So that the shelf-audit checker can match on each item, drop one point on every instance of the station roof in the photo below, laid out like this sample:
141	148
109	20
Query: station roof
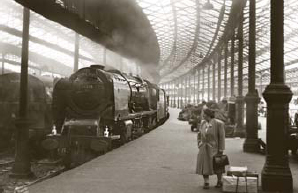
188	32
176	35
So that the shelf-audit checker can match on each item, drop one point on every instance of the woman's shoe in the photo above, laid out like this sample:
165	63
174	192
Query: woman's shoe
206	186
218	185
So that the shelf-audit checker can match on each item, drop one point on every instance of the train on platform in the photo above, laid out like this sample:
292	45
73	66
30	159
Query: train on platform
39	110
97	107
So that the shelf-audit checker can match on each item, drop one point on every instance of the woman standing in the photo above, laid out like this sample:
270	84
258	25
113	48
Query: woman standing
211	141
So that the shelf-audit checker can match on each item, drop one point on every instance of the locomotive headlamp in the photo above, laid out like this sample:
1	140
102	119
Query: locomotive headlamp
54	131
106	132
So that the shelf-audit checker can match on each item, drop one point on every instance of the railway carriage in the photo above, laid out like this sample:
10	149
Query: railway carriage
39	114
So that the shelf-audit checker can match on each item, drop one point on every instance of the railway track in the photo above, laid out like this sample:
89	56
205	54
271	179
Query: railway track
50	174
41	172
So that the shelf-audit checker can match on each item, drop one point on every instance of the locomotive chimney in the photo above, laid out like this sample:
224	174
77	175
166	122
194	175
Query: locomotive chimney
97	66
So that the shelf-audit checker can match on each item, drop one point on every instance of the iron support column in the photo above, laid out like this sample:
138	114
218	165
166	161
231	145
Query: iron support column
251	143
213	81
189	89
276	174
185	91
208	82
194	87
2	63
177	93
219	76
170	84
199	75
239	131
232	63
169	92
203	83
174	93
22	166
76	53
181	92
226	70
178	83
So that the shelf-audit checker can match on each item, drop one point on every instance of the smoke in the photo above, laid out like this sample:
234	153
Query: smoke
148	71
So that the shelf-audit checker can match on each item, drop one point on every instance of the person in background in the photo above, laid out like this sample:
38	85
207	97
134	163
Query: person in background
204	106
211	141
296	119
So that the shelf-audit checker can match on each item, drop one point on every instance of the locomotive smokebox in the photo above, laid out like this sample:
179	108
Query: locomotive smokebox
90	91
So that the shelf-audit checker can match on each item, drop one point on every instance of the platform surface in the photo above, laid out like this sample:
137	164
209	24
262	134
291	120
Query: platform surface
162	161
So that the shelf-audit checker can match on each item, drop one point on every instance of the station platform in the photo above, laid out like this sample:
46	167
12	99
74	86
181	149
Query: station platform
162	161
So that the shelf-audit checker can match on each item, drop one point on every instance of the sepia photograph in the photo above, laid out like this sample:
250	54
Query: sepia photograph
148	96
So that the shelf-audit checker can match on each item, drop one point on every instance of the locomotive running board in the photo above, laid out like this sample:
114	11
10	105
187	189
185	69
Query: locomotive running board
138	115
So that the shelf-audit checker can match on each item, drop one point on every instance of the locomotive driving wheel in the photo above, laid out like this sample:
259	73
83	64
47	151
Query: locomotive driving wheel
125	135
123	138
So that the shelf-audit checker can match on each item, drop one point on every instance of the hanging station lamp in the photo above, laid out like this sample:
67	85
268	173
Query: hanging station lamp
208	5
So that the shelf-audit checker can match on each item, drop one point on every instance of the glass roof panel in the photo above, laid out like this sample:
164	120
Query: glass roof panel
185	31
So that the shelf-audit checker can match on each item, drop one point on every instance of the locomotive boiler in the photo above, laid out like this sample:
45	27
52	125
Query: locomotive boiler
95	108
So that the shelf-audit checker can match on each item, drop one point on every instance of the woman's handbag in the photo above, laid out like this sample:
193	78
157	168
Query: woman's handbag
220	161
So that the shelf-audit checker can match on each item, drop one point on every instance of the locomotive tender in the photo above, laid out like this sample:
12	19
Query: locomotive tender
95	107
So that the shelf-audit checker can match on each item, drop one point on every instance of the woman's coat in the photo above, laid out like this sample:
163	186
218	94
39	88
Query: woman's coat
211	139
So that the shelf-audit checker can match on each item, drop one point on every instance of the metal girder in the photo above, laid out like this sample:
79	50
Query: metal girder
18	33
49	63
220	19
16	63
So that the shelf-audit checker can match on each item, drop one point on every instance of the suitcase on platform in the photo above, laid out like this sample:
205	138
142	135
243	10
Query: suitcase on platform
240	180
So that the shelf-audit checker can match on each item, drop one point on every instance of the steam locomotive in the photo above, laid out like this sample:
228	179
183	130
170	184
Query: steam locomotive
96	107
